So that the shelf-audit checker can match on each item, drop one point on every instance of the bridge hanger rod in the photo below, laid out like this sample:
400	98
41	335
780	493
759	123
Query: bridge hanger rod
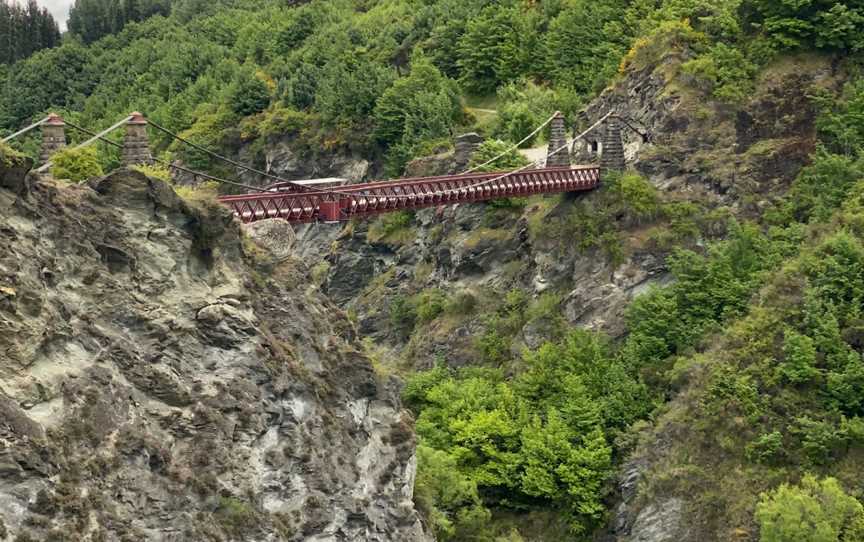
104	132
25	130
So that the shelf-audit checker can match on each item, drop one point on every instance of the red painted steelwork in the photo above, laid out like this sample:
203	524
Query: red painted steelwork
359	200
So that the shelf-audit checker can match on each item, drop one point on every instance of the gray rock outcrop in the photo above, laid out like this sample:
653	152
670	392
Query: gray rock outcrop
159	383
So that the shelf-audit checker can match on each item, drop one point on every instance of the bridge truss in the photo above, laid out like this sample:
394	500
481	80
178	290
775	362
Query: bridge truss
363	200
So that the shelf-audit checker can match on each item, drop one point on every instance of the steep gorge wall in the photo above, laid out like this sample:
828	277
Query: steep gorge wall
164	378
722	160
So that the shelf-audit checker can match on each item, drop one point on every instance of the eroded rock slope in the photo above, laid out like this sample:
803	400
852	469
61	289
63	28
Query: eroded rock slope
164	378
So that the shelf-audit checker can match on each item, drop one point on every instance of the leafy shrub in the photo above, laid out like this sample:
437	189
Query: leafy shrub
430	304
208	131
726	71
814	511
766	448
491	148
822	187
76	165
492	345
448	497
708	290
462	303
517	121
391	227
839	122
347	91
821	441
637	197
523	105
846	385
500	437
584	45
236	516
155	171
403	107
825	25
799	364
403	315
8	154
482	49
248	93
206	191
666	37
283	121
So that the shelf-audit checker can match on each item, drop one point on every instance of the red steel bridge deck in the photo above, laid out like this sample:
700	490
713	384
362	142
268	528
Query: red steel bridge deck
362	200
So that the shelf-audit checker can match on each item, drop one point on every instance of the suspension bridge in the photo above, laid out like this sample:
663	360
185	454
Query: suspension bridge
298	202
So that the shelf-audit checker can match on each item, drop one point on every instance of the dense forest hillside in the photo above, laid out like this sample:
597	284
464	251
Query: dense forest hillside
377	76
675	356
93	19
25	29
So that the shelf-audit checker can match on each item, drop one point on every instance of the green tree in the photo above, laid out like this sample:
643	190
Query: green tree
25	29
424	98
490	149
248	94
483	48
76	165
448	497
799	361
823	24
584	44
814	511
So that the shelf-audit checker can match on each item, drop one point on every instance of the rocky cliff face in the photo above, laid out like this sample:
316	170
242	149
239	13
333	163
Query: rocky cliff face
164	378
714	160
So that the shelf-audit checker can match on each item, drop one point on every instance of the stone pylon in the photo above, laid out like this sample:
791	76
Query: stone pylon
136	144
612	158
558	139
465	146
53	137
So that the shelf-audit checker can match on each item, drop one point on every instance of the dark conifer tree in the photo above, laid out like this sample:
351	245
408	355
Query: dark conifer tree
93	19
25	29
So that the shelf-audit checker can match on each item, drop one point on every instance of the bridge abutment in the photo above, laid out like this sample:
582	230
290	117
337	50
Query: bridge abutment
136	143
53	137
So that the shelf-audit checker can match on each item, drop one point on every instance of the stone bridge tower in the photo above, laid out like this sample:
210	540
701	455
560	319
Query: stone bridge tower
136	144
612	156
558	139
53	137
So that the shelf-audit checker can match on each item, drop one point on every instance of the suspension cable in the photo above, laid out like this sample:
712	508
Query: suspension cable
227	160
24	130
100	136
165	162
93	134
507	174
515	146
504	175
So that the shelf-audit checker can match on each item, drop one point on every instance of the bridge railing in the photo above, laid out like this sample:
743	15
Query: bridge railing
381	197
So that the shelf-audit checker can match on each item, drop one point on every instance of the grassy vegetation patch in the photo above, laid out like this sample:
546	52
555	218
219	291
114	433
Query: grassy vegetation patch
393	229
